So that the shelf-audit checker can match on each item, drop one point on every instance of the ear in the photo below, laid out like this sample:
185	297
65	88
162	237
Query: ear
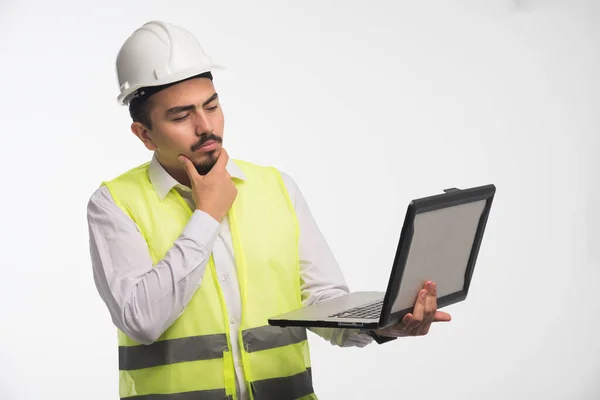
143	134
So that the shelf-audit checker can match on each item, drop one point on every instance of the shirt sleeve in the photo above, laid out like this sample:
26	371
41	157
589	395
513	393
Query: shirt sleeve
145	299
322	278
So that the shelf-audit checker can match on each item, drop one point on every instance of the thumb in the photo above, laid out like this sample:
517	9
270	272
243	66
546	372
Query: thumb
441	316
189	167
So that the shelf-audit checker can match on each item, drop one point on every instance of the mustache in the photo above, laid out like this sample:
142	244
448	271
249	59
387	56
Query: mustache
206	137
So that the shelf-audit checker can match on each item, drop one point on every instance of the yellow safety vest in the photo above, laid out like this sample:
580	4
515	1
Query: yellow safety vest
192	358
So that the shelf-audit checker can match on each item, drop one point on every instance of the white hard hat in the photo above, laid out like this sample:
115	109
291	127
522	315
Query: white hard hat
158	53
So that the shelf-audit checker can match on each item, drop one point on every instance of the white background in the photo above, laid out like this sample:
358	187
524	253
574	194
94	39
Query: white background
367	105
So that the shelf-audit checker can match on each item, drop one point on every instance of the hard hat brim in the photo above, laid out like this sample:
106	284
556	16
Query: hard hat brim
125	96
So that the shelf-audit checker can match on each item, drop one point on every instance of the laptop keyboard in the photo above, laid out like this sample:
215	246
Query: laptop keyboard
370	311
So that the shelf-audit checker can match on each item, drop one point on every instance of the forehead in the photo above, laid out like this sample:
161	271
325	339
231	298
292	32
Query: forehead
191	92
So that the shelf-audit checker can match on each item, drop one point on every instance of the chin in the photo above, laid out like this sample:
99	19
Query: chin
210	155
205	165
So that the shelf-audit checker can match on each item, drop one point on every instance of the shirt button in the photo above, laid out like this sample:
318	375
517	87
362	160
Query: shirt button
232	320
224	277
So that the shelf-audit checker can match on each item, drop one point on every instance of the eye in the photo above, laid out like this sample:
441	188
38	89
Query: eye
181	118
213	108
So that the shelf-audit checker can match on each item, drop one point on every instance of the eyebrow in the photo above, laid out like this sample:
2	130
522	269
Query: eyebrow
191	107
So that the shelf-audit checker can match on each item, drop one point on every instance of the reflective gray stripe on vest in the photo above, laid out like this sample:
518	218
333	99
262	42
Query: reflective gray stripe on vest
270	337
218	394
172	351
290	387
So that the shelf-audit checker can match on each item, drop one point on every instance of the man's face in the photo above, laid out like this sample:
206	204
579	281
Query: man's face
186	120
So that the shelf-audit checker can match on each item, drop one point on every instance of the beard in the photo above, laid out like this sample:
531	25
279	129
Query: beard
204	167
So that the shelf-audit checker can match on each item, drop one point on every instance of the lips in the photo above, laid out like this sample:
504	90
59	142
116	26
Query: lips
208	146
210	142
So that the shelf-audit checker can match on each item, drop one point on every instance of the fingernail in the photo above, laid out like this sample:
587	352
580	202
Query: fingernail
423	295
180	159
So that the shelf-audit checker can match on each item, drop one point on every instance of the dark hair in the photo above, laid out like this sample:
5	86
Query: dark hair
139	110
141	105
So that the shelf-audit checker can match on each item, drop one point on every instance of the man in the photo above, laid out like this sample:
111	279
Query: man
193	251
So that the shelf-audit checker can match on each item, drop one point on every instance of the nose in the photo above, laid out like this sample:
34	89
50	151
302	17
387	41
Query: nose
203	124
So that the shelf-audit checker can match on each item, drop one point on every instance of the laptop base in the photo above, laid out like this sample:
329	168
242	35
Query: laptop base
321	315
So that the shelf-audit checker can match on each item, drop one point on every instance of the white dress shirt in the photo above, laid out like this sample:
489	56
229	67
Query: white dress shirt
145	299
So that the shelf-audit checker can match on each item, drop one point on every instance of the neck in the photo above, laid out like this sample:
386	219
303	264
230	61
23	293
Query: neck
178	173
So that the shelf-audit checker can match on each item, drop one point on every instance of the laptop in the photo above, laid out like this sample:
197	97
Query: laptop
439	241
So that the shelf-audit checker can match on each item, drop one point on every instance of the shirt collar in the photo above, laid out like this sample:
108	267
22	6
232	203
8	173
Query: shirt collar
163	182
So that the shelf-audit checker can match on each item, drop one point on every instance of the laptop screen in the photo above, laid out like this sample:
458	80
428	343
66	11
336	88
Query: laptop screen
440	250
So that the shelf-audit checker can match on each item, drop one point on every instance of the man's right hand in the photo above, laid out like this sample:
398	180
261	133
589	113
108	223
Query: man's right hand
215	192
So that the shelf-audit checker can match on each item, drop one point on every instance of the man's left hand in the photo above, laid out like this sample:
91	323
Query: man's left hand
419	321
